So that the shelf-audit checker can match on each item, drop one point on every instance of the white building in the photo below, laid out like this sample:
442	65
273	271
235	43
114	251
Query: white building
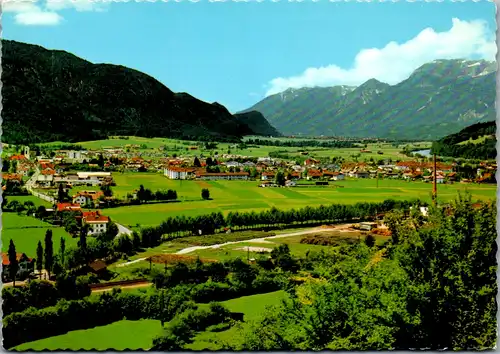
178	172
97	223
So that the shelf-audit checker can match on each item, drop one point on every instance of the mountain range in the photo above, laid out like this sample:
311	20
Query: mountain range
437	99
52	95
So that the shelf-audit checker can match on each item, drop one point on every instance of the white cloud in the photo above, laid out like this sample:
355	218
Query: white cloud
36	13
78	5
38	18
395	62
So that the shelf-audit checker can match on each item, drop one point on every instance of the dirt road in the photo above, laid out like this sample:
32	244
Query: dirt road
341	228
264	239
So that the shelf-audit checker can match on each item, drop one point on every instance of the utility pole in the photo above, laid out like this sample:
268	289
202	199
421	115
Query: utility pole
434	182
377	178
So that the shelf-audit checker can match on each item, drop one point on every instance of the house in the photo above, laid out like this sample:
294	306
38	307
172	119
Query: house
452	176
294	176
328	174
314	174
311	162
13	177
338	176
233	164
219	176
361	174
98	267
69	207
26	265
178	172
87	197
97	223
290	183
266	176
18	158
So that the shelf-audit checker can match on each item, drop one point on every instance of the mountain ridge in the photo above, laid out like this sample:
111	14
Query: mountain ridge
51	95
415	108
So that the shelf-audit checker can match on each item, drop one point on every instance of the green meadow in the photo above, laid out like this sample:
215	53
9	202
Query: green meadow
139	335
247	196
29	198
121	335
26	231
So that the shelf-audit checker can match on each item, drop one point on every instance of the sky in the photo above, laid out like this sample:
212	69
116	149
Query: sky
237	53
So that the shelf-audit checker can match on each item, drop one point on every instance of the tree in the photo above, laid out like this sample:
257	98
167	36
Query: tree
100	161
41	211
13	265
280	178
62	195
82	242
106	190
451	265
370	240
205	193
39	258
141	193
49	252
136	240
62	248
197	162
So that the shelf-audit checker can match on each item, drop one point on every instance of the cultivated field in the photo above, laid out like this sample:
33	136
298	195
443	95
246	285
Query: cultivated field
138	335
247	196
26	231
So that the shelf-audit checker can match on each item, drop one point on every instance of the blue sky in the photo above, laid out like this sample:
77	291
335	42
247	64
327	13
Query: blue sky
236	53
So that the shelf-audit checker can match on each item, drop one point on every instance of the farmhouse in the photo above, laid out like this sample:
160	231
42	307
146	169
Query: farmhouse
219	176
178	172
25	265
97	223
87	197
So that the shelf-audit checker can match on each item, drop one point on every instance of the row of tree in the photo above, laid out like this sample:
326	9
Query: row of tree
146	195
179	226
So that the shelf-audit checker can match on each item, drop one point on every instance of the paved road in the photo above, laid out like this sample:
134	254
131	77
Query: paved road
122	230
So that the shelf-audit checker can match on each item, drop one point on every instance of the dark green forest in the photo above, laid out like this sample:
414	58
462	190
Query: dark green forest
448	146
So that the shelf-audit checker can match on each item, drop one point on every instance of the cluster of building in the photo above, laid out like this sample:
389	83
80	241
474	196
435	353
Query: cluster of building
96	222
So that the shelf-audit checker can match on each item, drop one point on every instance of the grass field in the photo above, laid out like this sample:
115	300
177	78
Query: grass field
247	196
26	231
30	198
137	335
121	335
252	306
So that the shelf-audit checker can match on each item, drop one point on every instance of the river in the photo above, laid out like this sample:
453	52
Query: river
425	153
